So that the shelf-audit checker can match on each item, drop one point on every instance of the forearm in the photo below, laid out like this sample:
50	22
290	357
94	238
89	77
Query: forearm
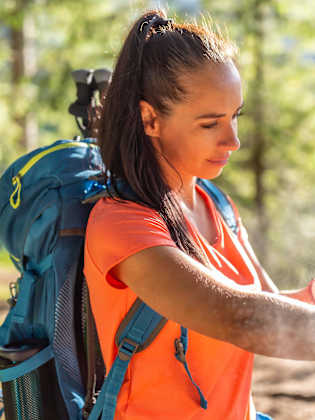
264	323
275	326
204	300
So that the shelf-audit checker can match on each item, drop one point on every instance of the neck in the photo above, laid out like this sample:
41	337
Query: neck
183	186
185	190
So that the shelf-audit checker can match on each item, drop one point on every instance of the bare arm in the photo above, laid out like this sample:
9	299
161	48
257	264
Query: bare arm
204	300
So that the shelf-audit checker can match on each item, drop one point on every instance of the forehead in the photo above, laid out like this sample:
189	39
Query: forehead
216	85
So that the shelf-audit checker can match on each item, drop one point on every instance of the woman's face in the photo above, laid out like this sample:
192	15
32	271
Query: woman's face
200	133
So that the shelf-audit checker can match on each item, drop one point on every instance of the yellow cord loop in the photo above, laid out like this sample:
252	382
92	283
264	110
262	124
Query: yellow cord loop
15	258
15	199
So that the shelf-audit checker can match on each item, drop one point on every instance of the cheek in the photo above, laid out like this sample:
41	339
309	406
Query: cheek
172	142
184	145
173	151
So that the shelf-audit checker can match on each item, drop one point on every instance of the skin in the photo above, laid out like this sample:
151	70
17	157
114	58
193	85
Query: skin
170	281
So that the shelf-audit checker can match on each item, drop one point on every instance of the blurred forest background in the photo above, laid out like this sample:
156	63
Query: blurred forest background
271	178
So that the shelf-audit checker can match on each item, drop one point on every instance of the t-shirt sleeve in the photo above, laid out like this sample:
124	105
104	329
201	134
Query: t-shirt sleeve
118	230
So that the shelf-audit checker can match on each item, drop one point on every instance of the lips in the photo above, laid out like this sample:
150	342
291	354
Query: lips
219	161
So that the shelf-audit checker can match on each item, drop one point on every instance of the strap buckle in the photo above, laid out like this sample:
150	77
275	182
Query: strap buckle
180	352
13	293
127	348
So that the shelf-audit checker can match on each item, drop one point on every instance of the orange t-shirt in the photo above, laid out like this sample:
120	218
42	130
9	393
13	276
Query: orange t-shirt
156	385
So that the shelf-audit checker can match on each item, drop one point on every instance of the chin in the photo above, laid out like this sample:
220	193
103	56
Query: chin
210	174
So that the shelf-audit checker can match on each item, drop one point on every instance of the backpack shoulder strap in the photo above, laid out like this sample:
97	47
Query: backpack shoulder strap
222	203
139	328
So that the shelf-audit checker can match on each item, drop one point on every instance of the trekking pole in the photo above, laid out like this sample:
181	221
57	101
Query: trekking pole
88	82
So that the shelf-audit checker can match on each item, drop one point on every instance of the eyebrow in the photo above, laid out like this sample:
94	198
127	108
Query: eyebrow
214	115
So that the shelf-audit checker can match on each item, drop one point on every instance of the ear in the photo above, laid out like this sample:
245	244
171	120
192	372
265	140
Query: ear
150	119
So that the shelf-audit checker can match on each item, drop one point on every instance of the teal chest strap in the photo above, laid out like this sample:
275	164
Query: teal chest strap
181	346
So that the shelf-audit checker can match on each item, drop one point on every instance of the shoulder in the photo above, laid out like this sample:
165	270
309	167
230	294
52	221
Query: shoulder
108	211
125	222
117	230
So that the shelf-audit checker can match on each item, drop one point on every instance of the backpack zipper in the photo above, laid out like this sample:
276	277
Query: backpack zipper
15	198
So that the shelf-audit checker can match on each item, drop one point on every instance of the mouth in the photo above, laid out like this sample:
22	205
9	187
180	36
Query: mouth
218	162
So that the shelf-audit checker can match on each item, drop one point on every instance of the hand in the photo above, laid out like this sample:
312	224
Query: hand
307	294
311	288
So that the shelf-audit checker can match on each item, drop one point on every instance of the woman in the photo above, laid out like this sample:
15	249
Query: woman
170	116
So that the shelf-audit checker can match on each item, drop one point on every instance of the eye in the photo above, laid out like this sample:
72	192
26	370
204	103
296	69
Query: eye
207	126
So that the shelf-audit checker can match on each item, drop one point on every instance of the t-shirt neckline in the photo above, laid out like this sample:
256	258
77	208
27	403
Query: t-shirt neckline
212	213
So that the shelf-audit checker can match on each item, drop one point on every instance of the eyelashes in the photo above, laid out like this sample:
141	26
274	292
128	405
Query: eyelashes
209	125
214	124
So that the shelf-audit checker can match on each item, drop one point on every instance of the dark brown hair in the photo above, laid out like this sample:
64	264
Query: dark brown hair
155	54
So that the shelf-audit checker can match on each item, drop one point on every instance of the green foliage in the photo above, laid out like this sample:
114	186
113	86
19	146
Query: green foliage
5	259
66	37
7	270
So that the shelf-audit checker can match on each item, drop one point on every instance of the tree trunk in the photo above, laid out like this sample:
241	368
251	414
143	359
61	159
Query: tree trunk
259	137
23	69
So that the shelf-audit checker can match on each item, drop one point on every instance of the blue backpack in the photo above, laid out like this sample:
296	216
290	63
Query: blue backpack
51	366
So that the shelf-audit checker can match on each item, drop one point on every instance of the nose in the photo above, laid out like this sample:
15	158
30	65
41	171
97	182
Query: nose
230	140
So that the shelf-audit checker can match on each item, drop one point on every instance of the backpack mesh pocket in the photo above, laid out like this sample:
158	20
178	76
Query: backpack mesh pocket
34	396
